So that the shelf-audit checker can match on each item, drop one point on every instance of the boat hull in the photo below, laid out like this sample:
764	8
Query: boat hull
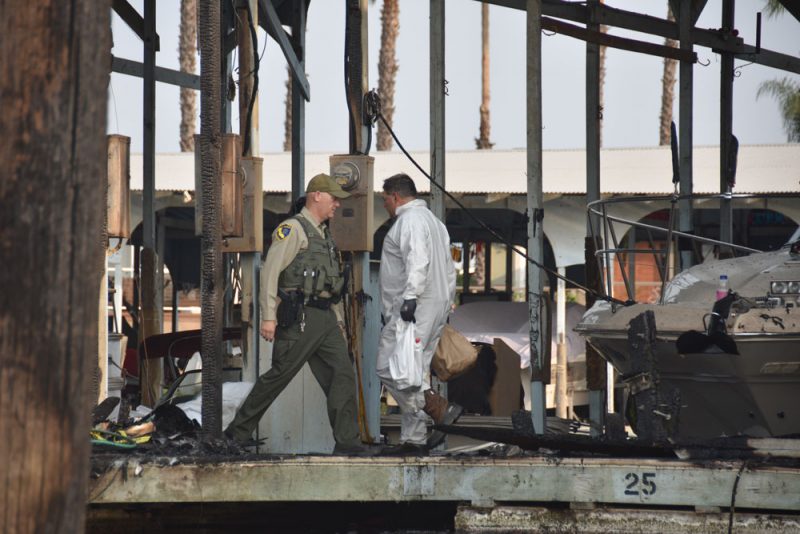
755	392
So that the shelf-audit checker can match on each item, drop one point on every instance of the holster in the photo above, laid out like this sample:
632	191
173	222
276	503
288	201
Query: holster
290	308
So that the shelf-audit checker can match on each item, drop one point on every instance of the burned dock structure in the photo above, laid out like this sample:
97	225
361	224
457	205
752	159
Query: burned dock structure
714	481
527	479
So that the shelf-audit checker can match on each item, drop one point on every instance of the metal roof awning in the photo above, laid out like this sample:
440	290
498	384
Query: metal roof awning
625	171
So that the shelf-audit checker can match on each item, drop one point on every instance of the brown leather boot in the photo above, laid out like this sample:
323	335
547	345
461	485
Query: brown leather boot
442	413
435	406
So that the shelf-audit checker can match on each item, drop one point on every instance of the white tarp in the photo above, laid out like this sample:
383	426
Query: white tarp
482	322
233	395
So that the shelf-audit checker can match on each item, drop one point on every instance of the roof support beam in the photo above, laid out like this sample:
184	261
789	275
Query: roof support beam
726	129
685	139
273	26
152	296
792	7
540	362
437	105
613	41
133	19
609	16
695	8
299	105
170	76
596	370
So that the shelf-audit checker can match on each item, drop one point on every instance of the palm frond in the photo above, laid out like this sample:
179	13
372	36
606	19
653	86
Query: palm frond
774	9
787	93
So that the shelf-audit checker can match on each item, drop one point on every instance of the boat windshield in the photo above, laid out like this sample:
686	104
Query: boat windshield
795	236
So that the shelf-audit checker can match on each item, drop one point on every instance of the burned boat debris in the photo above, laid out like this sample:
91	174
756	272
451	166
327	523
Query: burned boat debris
722	367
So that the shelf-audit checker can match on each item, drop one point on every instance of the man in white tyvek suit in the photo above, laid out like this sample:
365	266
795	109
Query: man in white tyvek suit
418	282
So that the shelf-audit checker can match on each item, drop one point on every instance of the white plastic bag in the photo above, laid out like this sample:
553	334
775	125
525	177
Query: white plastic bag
405	361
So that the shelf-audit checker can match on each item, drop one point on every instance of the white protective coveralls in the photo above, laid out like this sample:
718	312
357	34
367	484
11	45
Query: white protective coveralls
415	264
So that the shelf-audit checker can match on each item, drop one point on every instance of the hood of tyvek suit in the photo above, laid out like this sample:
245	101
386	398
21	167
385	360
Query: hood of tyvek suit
416	261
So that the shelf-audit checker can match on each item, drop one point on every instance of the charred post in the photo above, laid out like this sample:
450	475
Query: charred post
211	270
655	407
55	71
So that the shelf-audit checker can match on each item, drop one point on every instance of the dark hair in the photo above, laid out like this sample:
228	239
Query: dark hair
402	184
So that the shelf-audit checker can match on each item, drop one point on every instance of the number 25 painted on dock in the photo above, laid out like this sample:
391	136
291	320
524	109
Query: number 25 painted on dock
647	485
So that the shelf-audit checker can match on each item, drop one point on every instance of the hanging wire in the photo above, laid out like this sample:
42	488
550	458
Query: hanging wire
254	93
114	100
376	109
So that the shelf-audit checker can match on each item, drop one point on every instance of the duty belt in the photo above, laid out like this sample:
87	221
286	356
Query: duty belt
319	303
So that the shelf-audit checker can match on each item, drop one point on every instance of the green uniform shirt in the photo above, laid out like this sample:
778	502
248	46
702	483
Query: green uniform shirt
288	239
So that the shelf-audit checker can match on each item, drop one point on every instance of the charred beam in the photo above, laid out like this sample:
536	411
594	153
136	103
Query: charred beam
133	19
273	26
792	7
564	443
637	22
170	76
52	210
212	286
613	41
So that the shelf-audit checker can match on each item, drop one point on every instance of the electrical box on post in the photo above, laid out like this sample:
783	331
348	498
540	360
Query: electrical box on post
252	239
231	216
119	186
352	226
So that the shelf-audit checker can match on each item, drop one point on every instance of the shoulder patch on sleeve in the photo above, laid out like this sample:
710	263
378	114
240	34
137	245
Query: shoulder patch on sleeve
283	231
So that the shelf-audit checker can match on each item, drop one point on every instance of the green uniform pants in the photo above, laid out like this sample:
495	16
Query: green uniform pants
323	347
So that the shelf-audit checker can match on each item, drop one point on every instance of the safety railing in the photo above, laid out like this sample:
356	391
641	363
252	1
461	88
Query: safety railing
601	226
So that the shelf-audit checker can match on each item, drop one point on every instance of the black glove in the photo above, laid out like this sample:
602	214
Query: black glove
407	310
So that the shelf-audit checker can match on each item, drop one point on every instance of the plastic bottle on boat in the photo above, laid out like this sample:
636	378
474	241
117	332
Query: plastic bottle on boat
722	288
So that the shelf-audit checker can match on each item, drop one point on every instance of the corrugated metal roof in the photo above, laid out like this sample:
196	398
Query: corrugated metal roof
761	169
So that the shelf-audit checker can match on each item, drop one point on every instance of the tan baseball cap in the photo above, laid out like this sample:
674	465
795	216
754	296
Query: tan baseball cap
324	183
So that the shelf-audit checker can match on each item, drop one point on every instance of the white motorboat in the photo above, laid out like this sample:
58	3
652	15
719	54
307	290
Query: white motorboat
731	365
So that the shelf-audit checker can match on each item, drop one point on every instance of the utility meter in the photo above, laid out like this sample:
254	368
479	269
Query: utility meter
346	174
352	226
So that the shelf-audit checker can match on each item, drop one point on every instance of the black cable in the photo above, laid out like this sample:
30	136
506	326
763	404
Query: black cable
732	510
257	61
347	79
486	227
372	108
260	57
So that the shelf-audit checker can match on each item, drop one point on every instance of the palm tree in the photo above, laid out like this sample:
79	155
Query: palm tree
387	68
667	90
787	92
483	142
287	119
187	54
773	8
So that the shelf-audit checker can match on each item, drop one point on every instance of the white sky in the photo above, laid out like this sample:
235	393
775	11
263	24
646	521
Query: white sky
632	89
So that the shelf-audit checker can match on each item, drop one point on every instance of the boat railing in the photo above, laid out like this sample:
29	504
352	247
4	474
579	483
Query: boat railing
601	226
